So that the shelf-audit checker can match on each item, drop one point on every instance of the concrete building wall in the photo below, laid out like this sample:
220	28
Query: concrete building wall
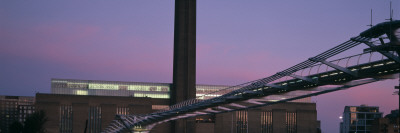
52	112
79	117
255	121
204	127
306	118
106	110
162	128
224	123
307	121
50	103
278	120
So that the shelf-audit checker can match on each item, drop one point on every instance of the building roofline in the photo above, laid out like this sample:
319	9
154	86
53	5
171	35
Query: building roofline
133	82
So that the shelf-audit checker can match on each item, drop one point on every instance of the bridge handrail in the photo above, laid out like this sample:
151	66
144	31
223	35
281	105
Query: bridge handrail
260	82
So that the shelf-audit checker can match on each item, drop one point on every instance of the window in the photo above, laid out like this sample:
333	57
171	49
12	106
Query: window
94	120
153	88
291	122
266	122
159	107
353	109
241	121
66	119
165	89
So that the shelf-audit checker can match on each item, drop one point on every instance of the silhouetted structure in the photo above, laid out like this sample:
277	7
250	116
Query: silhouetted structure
184	73
388	124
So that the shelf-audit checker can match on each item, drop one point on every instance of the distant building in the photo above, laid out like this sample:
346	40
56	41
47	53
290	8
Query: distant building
111	95
14	108
388	124
359	119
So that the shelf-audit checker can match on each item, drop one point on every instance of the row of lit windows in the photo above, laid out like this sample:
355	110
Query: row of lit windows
159	107
111	93
200	88
109	85
116	88
369	116
135	86
150	94
364	109
122	111
164	96
266	122
71	81
151	90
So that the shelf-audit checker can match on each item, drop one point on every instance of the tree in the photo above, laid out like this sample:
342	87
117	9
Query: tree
35	123
16	127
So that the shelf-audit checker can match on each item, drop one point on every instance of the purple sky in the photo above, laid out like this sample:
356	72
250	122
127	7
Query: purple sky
237	41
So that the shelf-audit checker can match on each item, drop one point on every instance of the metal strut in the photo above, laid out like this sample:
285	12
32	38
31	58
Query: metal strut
373	46
337	67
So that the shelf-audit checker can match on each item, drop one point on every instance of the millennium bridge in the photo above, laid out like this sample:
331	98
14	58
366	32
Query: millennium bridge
316	75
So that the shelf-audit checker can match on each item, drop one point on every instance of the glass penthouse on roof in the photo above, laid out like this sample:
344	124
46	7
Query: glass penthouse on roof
120	88
142	89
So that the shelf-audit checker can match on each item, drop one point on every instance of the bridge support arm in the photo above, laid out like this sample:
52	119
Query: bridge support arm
337	67
372	46
299	77
385	53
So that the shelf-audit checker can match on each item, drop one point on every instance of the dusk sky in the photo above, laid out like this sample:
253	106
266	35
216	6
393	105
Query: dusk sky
132	40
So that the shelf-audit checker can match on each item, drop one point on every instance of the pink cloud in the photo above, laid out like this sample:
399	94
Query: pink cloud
231	64
87	47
